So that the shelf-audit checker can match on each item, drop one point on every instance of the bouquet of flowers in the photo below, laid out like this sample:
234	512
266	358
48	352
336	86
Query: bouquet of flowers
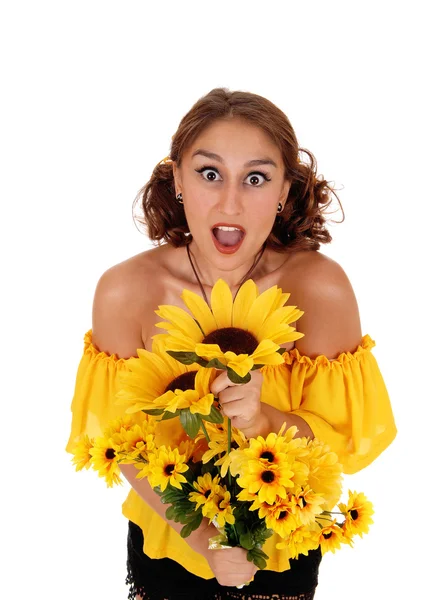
251	488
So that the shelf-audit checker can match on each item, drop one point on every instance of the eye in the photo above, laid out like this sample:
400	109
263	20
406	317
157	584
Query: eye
254	177
257	178
207	173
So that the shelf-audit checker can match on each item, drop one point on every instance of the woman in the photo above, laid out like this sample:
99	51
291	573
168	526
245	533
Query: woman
237	199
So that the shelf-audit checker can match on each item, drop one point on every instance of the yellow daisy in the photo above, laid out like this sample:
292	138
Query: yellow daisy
82	456
158	383
206	489
104	460
325	472
236	335
299	541
224	510
278	516
135	442
331	537
266	480
358	512
306	505
167	466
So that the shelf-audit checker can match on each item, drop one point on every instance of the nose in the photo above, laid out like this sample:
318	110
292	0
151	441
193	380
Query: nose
229	202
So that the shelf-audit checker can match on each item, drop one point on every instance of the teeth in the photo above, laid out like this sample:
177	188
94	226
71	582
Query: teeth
228	228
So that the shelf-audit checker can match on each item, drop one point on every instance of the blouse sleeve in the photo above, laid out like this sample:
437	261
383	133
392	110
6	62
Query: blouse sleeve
345	403
93	403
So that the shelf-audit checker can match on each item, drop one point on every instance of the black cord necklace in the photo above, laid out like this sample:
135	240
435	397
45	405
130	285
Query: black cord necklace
246	276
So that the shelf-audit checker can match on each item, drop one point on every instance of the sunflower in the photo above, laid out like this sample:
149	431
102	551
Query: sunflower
331	537
82	456
299	541
358	512
224	510
158	383
235	335
266	480
279	516
166	466
135	442
104	460
306	505
206	489
324	470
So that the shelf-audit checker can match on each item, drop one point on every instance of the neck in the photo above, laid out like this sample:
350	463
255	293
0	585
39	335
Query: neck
208	274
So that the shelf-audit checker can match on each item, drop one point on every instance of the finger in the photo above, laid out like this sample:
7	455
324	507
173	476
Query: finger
230	394
221	383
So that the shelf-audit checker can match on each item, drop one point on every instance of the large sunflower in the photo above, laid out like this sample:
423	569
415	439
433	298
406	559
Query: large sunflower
236	335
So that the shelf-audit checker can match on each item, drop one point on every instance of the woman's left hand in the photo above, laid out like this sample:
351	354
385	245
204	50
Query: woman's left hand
241	402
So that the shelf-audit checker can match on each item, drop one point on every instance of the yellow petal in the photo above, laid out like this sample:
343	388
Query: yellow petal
260	310
222	304
203	406
241	364
200	310
203	381
247	294
209	351
181	320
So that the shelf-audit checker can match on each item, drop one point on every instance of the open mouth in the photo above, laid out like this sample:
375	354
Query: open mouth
228	238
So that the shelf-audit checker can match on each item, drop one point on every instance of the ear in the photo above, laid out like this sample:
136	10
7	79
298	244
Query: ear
176	178
284	192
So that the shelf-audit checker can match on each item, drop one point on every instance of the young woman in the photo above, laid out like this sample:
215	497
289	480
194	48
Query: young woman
236	199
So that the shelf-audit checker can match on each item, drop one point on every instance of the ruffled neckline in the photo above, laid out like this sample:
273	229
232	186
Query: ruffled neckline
290	357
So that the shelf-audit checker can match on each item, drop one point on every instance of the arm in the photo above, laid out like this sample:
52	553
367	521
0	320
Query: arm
330	325
117	329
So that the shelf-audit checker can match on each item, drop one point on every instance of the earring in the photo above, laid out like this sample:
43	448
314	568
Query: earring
180	198
280	207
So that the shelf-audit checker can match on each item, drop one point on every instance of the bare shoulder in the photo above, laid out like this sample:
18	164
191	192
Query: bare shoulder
321	288
122	295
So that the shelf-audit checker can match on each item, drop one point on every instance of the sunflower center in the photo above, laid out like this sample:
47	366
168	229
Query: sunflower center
233	339
268	476
268	455
354	514
326	536
185	381
282	515
169	469
110	454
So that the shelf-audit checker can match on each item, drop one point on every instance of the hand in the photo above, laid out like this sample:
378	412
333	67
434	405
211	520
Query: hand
229	565
241	402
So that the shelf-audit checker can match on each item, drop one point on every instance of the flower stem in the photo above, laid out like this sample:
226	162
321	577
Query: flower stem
229	444
206	435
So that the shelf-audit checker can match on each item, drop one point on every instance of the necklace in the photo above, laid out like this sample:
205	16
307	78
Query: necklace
246	276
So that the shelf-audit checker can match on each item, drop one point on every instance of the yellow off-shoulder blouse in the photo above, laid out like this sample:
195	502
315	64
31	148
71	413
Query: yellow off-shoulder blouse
344	401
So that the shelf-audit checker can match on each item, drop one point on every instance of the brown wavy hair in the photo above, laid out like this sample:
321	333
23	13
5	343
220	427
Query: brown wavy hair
300	226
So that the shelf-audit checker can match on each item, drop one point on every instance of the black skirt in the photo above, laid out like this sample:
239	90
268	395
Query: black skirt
165	579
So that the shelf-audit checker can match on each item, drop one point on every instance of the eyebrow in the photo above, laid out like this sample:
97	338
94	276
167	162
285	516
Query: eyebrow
250	163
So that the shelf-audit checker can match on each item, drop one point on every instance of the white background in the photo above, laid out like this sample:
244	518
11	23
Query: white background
92	93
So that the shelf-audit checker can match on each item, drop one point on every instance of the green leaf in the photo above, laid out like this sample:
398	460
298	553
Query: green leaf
170	513
258	561
235	378
255	367
216	364
170	415
153	411
194	524
246	541
214	416
186	358
281	351
191	423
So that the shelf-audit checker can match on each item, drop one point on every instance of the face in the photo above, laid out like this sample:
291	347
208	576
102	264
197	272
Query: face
232	180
